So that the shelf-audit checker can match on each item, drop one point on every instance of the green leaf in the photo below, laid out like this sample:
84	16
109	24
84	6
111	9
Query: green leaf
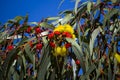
98	2
52	77
46	25
6	24
66	19
52	18
86	63
44	40
115	32
8	62
109	15
87	50
111	28
91	68
77	51
43	62
79	36
21	42
33	23
10	21
114	1
86	32
87	74
115	69
60	3
15	76
89	5
3	36
76	5
21	75
80	11
29	53
11	71
24	63
18	18
68	16
92	40
34	65
114	47
109	72
26	18
65	12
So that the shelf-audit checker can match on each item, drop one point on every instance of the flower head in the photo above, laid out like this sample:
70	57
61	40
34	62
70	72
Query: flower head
65	33
68	35
39	46
51	35
31	44
29	29
61	32
52	44
77	62
58	50
10	47
37	30
67	45
68	28
117	56
57	32
73	36
63	51
59	28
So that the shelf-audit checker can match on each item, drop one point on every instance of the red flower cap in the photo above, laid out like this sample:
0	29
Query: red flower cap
37	30
10	47
52	44
65	33
67	45
51	35
29	29
68	35
77	62
39	46
31	44
57	32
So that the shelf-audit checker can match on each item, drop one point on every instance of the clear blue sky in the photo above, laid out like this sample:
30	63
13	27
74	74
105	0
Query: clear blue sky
37	9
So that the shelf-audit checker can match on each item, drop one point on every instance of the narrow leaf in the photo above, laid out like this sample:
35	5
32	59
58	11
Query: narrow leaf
89	5
77	51
44	62
29	53
76	5
52	18
92	40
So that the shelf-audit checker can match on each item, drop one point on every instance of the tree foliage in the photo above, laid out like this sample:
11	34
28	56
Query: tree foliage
46	51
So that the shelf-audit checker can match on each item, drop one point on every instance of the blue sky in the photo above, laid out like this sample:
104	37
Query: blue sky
37	9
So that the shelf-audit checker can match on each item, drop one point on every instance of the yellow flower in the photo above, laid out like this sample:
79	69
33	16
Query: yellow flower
58	50
59	28
117	56
63	51
73	36
69	28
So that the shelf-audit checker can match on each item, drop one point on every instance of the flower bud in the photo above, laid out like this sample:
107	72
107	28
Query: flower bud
39	46
37	30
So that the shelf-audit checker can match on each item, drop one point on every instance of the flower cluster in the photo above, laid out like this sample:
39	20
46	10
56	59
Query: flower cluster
66	30
57	39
